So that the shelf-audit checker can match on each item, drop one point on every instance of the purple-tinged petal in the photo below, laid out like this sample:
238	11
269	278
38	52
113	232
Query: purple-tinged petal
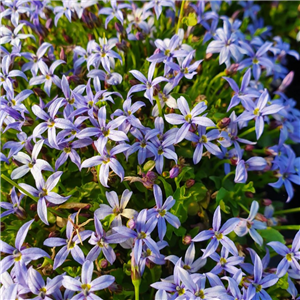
21	235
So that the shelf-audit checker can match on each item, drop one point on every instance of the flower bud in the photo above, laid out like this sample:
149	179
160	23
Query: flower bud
62	54
174	172
208	56
249	194
187	239
249	148
261	217
53	234
33	207
2	226
267	202
49	23
103	263
232	69
39	92
122	46
135	272
224	122
67	38
189	183
133	82
115	288
139	36
119	27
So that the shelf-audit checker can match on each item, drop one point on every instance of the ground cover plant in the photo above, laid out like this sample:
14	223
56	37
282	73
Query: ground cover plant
137	141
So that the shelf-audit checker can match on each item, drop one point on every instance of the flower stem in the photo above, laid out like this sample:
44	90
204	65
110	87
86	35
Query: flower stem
244	208
247	132
287	227
180	16
18	187
136	284
160	112
286	211
225	177
212	81
29	195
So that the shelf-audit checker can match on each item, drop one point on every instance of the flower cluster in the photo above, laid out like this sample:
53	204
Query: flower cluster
103	104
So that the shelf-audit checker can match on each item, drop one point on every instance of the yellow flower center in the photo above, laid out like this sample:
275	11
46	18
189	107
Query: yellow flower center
188	117
289	257
256	111
218	235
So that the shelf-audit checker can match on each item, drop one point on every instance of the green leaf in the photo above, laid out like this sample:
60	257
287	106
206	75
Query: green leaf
249	187
107	221
167	186
271	235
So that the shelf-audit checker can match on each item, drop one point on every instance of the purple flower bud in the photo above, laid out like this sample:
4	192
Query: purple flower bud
224	122
119	28
267	202
174	172
139	36
122	46
187	239
48	23
62	54
103	263
249	148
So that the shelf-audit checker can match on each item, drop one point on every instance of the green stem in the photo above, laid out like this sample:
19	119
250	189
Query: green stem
286	211
229	174
160	112
18	187
29	195
247	132
221	162
244	208
152	272
136	284
180	16
212	81
287	227
127	185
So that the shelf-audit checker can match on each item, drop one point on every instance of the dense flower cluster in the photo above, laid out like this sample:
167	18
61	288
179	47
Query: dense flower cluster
112	114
